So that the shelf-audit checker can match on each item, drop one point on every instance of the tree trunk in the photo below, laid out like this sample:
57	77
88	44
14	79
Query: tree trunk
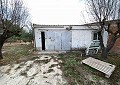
104	53
1	57
2	40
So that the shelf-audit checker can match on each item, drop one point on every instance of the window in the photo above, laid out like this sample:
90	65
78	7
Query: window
95	36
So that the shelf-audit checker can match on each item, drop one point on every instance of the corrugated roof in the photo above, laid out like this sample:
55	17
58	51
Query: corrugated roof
34	25
62	26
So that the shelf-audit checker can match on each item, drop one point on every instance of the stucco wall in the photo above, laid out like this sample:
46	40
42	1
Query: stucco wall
37	41
81	38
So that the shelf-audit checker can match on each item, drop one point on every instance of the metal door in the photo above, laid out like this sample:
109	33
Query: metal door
66	40
58	40
49	40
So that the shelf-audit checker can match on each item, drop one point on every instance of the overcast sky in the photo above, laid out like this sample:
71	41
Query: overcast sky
56	11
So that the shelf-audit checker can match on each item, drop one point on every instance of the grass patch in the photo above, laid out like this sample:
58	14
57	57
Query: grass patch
80	74
16	53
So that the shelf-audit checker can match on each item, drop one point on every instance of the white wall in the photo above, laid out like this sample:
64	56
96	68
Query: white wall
38	44
81	38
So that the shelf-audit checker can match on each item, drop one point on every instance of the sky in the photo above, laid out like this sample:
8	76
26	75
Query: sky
54	12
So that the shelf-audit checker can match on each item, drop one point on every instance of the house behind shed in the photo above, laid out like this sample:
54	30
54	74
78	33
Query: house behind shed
64	37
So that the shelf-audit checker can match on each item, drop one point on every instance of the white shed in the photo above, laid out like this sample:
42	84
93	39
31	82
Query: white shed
64	37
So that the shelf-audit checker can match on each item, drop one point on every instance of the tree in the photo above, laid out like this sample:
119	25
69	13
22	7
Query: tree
13	17
27	36
101	12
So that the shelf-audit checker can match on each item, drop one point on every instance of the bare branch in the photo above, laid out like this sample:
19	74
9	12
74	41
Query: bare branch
103	11
12	12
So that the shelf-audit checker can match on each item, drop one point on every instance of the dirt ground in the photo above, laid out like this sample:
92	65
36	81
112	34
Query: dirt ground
22	66
43	70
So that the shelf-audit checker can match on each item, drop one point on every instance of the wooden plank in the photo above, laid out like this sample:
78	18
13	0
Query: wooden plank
101	66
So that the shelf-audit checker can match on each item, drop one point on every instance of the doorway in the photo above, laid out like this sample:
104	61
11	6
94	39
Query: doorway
43	40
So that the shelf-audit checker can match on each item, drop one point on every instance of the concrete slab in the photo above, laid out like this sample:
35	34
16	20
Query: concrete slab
99	65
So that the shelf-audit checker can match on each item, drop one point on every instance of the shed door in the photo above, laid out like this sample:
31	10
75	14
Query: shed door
66	40
49	40
58	40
